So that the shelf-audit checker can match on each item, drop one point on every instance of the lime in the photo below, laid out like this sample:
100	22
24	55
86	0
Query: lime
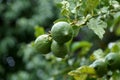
113	61
43	44
100	67
61	32
59	50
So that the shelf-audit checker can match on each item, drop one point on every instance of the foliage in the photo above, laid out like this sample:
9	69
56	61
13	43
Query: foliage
95	25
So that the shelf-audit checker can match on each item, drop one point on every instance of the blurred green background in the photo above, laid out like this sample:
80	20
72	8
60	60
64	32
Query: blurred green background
18	19
19	22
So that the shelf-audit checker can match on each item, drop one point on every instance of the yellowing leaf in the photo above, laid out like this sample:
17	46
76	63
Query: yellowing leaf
82	72
97	54
81	77
86	70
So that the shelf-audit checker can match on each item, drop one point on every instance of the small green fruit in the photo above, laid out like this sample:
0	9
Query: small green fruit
100	67
59	50
43	44
61	32
113	61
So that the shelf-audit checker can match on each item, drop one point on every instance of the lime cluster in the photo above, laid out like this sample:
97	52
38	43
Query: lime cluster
55	42
111	62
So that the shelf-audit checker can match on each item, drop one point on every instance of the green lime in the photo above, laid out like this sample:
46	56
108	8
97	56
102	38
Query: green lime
113	61
59	50
100	67
61	32
43	44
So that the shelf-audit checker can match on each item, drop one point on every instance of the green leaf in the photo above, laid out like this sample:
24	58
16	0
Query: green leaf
75	30
65	12
65	8
39	31
91	4
97	26
83	46
77	45
61	19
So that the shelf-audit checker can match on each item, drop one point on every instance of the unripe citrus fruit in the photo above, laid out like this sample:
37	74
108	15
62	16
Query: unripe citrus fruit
61	32
59	50
113	61
43	44
100	67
